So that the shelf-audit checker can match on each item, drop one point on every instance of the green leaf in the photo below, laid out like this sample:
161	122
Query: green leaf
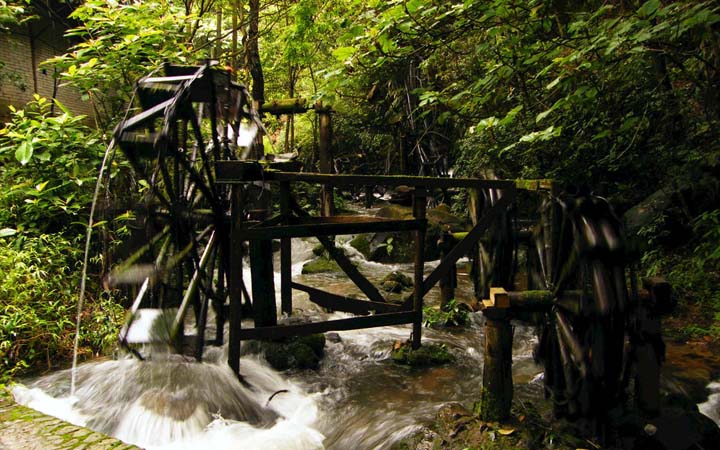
24	152
342	54
7	232
648	8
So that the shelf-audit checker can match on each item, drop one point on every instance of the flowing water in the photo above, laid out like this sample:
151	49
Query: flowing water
358	399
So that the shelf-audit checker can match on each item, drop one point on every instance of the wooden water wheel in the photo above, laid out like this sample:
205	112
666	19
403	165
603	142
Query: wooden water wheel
581	254
190	117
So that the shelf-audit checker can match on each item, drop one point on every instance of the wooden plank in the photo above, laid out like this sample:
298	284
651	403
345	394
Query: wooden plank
236	172
354	323
463	247
338	219
344	262
329	229
343	303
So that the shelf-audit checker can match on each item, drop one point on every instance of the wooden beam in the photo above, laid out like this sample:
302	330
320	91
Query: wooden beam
284	106
343	303
344	262
229	172
329	229
464	246
354	323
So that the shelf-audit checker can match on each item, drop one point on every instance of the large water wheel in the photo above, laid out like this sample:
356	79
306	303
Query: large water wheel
580	251
189	118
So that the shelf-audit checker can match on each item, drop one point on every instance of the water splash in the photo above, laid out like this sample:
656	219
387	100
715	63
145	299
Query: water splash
171	403
711	407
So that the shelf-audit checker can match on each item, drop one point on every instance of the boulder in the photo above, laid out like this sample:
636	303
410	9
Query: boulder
320	265
304	352
426	356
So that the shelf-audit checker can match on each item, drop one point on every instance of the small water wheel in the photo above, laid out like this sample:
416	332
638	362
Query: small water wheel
190	117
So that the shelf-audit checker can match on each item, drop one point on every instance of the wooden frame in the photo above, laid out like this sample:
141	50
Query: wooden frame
294	222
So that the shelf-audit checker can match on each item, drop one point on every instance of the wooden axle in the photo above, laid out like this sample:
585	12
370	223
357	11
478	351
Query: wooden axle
656	296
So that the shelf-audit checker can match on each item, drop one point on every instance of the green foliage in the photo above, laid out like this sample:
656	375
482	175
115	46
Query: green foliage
695	274
453	314
119	43
387	245
13	12
48	166
38	292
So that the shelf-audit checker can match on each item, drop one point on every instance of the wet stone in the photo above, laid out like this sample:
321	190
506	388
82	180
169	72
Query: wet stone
22	428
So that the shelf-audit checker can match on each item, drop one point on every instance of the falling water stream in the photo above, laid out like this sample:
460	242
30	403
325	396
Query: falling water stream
357	399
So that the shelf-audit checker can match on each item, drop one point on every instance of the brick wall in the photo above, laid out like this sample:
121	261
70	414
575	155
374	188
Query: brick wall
16	52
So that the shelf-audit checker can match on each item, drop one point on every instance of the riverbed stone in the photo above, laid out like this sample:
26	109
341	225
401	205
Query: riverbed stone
396	282
426	356
320	265
300	352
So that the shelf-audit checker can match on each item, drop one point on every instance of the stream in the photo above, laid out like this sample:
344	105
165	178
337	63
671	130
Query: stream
358	399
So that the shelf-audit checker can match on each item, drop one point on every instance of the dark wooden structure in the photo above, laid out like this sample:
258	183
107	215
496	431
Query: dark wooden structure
293	222
208	194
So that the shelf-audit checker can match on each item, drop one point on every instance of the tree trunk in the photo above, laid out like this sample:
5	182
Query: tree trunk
252	53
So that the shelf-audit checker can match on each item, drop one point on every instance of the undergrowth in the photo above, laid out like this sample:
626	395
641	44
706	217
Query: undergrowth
694	274
38	291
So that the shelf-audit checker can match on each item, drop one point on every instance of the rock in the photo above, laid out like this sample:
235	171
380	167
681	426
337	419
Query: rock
391	286
333	337
319	250
304	352
426	356
361	243
450	418
320	265
402	195
400	278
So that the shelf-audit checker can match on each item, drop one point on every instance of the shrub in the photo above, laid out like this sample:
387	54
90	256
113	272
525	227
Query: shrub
38	293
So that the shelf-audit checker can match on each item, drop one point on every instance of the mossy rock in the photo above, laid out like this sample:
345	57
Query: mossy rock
399	278
319	250
320	265
396	282
304	352
361	243
426	356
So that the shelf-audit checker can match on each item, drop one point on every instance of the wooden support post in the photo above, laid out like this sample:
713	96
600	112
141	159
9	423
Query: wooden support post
419	207
325	159
285	253
235	278
448	282
263	283
475	206
497	392
368	196
650	349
